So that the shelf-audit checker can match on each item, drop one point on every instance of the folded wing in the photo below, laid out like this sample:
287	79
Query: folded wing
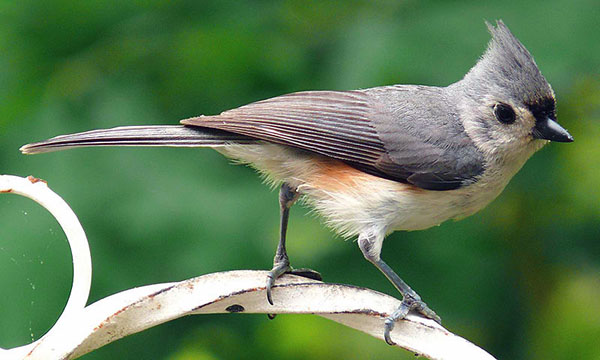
339	124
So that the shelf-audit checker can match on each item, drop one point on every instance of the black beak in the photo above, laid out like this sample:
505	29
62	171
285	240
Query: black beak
549	129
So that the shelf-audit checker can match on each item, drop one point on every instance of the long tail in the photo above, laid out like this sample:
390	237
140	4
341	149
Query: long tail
154	135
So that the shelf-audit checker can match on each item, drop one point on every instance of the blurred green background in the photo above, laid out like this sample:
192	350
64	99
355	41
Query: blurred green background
521	278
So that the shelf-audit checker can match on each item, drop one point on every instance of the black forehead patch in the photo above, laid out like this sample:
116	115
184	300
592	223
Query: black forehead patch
543	108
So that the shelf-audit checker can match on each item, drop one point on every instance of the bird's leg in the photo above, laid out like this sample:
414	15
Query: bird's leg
281	262
370	244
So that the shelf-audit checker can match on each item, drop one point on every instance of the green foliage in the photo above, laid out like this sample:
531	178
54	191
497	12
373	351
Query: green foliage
521	278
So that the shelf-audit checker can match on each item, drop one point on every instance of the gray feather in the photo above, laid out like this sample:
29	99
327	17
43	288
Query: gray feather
402	133
331	123
433	150
509	67
154	135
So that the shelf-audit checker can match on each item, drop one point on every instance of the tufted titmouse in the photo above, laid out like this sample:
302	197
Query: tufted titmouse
371	161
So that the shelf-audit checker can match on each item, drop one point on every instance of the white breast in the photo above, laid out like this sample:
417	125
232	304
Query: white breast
352	201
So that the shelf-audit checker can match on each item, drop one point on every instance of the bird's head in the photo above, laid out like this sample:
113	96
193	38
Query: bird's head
506	104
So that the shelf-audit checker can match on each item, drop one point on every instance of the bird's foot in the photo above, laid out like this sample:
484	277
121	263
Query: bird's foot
279	268
284	267
408	303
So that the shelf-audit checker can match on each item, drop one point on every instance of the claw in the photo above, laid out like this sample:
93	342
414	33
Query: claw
408	304
424	310
279	268
285	268
270	282
306	273
389	326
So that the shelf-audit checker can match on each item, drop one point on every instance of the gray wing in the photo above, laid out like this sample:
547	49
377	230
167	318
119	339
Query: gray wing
344	125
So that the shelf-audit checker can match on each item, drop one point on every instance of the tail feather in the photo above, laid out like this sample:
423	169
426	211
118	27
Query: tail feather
153	135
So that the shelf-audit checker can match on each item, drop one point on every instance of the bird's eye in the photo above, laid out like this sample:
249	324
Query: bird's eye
504	113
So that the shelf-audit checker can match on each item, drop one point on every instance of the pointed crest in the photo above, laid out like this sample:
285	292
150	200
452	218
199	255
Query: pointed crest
508	65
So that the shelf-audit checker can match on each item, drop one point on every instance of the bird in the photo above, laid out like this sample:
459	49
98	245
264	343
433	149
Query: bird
376	160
